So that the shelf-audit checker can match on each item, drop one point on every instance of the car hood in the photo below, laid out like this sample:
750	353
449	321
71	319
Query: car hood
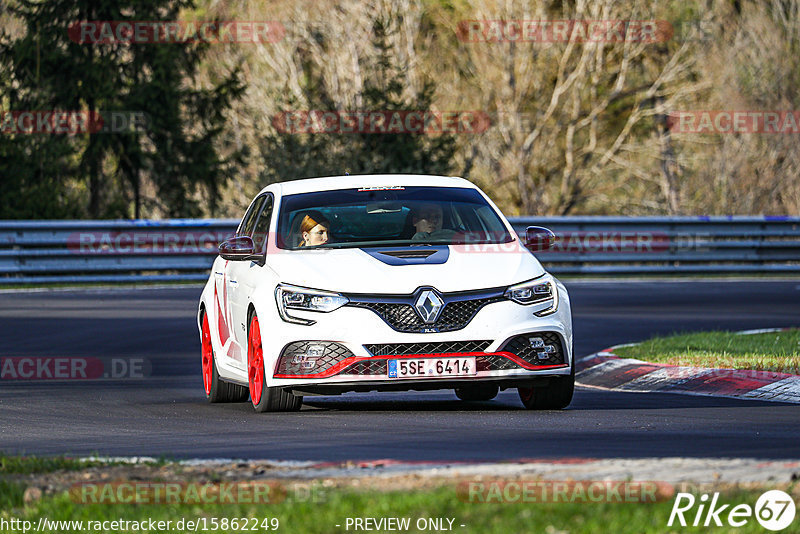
355	270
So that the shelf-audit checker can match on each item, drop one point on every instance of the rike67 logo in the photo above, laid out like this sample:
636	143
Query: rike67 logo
774	510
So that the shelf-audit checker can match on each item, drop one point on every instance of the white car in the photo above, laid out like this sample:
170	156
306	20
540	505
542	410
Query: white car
387	283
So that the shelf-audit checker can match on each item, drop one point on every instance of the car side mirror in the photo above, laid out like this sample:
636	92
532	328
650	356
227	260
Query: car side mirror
237	248
539	238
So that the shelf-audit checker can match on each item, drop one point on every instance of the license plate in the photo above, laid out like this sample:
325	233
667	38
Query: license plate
431	367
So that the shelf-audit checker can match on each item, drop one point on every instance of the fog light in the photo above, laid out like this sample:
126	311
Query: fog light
309	358
545	351
315	351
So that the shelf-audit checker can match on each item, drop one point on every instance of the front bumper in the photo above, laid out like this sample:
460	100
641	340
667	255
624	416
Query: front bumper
351	347
536	351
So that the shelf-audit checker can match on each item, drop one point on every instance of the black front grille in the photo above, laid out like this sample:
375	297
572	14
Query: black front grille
367	367
378	366
524	348
441	347
494	363
332	354
520	345
550	352
402	317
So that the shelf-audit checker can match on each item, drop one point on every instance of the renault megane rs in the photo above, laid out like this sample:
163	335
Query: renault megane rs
387	283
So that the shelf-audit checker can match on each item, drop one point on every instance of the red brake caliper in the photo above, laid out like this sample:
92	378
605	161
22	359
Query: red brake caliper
255	359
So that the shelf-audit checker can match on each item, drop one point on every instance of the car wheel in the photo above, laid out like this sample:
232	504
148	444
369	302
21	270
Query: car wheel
265	399
217	390
556	395
477	392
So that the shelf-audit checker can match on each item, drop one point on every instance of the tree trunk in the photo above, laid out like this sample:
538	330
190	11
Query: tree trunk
669	163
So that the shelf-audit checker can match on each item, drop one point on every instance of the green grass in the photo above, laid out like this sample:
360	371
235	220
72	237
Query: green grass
337	505
33	464
25	465
773	351
11	494
312	507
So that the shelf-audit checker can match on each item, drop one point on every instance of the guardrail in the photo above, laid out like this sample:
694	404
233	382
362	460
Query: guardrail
40	252
670	245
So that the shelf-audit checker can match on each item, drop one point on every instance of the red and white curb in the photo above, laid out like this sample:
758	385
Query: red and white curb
606	370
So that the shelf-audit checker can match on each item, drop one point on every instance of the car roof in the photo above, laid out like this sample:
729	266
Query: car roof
366	180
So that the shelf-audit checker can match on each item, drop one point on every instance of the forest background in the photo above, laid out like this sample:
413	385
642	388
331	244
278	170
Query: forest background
573	127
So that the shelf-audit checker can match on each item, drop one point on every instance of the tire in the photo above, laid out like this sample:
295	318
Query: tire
477	392
217	390
557	395
265	399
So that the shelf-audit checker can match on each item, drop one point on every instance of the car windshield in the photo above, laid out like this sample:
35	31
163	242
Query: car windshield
380	216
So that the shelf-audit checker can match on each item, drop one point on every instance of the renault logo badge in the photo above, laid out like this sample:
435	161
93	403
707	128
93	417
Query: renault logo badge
428	305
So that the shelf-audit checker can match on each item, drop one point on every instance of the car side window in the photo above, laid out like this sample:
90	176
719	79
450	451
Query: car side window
249	219
261	230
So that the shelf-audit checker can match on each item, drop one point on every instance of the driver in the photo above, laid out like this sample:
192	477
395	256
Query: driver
427	220
314	229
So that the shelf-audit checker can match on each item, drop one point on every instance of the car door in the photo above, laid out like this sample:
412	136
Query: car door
226	298
221	315
241	276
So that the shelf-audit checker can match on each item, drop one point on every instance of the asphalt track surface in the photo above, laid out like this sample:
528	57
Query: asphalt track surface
166	413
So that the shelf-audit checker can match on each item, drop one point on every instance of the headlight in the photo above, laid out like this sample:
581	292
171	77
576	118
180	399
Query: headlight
542	290
301	298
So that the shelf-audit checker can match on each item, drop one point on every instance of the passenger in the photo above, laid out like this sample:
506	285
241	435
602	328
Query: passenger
314	229
427	220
